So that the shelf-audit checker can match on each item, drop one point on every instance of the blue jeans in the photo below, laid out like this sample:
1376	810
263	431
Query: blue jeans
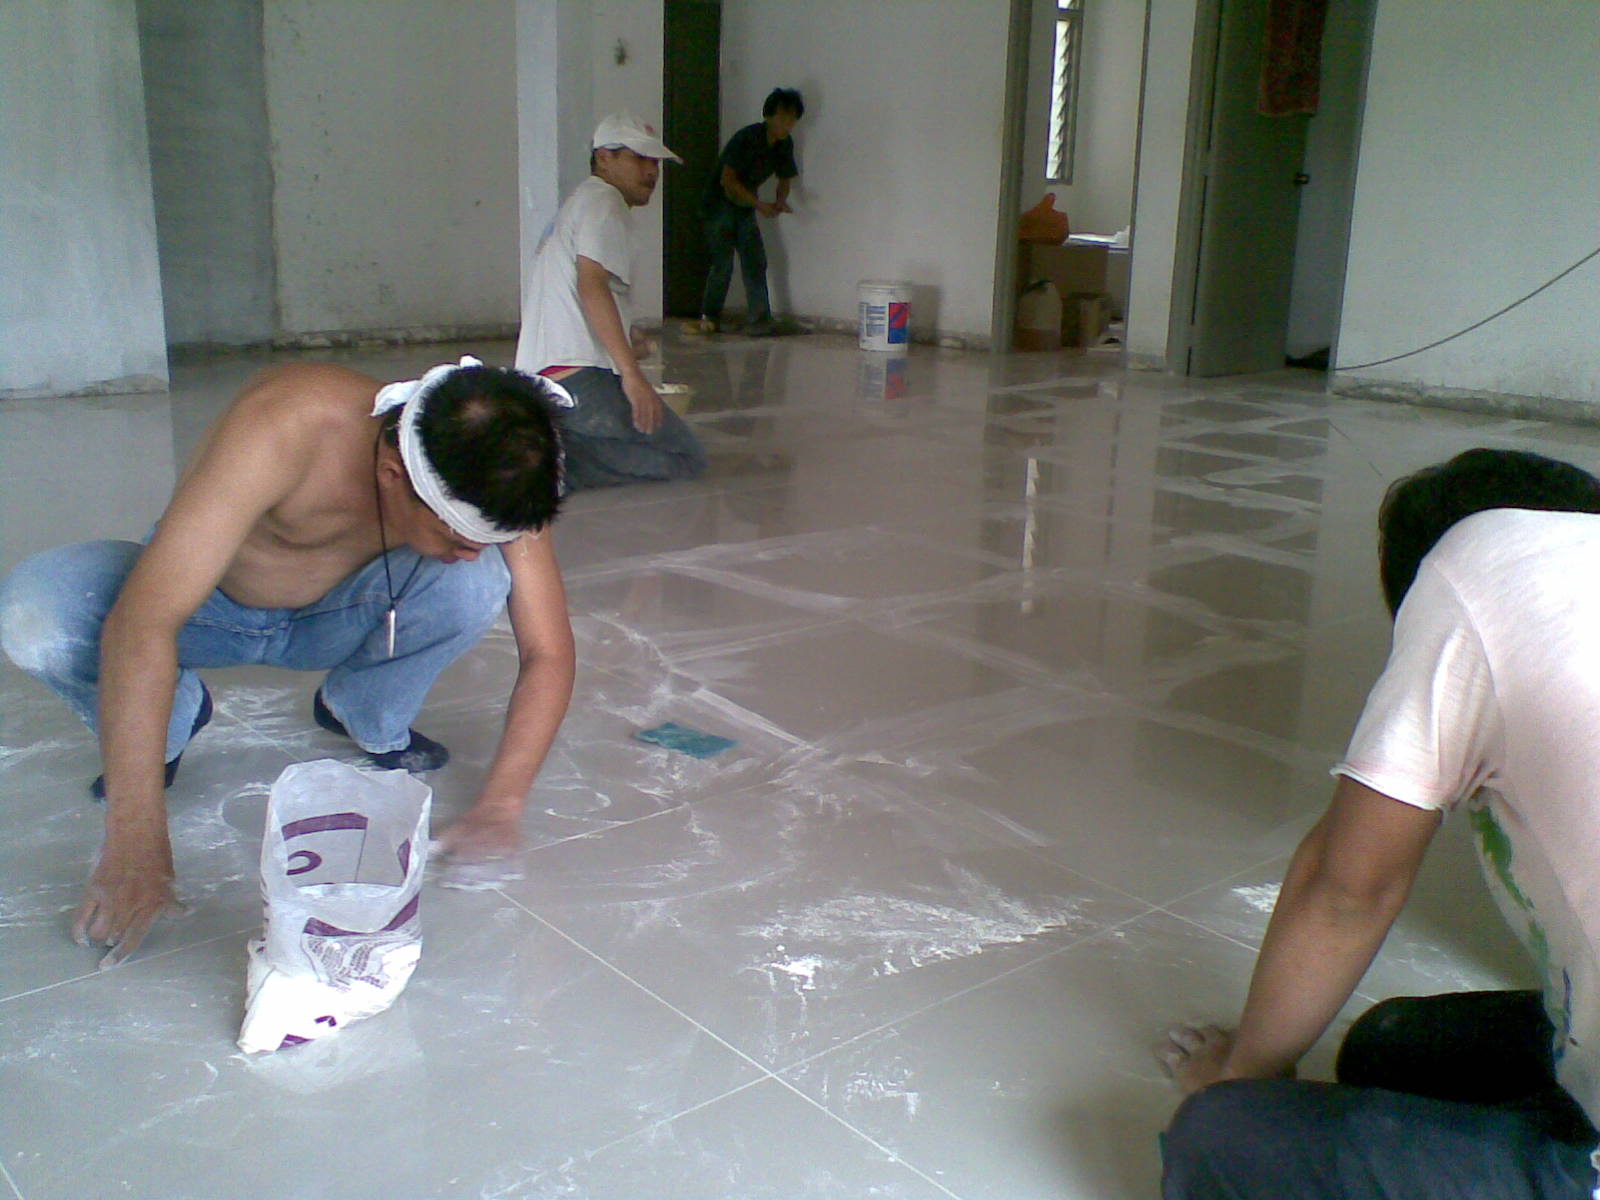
53	605
603	447
730	228
1440	1098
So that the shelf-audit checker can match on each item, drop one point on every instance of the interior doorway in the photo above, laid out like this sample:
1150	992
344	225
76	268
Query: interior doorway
1107	57
1265	214
691	123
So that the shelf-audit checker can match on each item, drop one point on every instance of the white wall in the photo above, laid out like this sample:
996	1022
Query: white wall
1322	235
567	79
394	153
899	149
80	290
206	110
1100	197
633	86
1162	139
1477	182
544	31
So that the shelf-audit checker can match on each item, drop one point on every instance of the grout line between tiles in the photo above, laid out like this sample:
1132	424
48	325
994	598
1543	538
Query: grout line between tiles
590	1155
975	987
1219	882
612	967
136	961
892	1155
1204	928
766	1073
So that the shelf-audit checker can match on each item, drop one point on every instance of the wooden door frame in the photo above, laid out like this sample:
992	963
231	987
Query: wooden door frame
685	189
1013	125
1191	201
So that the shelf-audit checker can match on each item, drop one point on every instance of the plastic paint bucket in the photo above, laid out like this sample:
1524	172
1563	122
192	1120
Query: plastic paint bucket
885	312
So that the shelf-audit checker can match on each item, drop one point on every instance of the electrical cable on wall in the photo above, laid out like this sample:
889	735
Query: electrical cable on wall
1378	362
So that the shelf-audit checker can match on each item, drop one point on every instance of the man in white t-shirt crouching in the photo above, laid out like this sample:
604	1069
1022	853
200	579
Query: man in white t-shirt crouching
577	325
1490	701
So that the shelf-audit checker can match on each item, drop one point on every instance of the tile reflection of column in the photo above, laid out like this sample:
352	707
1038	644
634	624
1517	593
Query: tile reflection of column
748	418
1349	627
1129	512
1086	499
1030	532
1113	460
741	384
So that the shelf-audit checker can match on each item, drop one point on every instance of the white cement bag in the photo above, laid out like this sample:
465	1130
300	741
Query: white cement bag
341	865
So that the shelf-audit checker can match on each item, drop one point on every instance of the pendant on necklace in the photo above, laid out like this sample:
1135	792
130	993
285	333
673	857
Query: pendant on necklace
390	622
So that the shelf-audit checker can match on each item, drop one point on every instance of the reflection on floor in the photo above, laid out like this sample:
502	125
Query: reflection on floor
1035	670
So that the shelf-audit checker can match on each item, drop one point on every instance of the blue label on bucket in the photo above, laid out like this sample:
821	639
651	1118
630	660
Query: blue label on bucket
899	321
874	317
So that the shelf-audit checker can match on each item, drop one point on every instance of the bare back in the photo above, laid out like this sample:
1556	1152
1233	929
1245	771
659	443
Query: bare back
308	500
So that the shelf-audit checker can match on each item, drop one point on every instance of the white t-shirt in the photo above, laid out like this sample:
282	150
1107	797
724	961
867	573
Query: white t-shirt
592	222
1492	696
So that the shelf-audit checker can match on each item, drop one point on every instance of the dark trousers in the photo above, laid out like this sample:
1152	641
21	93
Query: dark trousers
729	228
602	446
1439	1098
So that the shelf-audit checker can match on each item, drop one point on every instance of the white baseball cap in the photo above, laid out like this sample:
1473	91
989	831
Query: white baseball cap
625	129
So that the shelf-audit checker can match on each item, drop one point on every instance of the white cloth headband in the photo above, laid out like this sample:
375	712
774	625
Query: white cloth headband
409	395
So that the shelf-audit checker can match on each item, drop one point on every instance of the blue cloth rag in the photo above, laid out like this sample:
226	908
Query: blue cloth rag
673	736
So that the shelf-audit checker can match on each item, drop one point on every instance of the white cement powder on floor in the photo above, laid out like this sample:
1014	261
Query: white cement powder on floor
1261	897
885	935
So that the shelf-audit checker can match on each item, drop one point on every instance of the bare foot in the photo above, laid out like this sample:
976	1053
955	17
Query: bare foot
479	851
1194	1056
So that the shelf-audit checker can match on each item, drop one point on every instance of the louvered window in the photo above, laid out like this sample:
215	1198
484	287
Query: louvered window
1064	91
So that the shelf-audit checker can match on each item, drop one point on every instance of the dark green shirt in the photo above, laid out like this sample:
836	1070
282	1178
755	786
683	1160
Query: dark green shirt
754	160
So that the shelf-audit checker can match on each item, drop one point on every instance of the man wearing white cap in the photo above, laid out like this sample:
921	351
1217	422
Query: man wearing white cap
327	523
577	321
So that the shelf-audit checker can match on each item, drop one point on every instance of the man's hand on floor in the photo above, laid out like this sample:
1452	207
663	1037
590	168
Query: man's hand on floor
127	894
479	850
1194	1055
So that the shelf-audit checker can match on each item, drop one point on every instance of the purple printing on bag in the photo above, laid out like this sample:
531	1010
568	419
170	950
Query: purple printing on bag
318	928
344	820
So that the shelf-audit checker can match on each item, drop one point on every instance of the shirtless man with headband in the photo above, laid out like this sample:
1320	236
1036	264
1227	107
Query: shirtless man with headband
327	523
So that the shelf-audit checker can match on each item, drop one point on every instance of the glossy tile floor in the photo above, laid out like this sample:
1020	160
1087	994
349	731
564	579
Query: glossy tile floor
1035	669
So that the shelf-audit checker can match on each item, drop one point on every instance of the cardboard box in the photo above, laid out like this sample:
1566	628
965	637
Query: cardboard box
1084	318
1072	267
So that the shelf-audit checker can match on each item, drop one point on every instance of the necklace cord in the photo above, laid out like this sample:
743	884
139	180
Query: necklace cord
383	542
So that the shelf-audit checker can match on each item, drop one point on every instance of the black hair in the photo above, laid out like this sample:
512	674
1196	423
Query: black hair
785	98
490	434
1418	510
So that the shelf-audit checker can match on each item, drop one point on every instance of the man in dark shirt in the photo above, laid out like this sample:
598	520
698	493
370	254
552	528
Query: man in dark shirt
730	206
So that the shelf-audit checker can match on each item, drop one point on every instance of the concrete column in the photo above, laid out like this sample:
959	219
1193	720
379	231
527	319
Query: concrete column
80	285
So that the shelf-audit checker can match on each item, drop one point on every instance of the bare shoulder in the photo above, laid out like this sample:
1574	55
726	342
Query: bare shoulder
306	392
538	601
531	560
291	415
